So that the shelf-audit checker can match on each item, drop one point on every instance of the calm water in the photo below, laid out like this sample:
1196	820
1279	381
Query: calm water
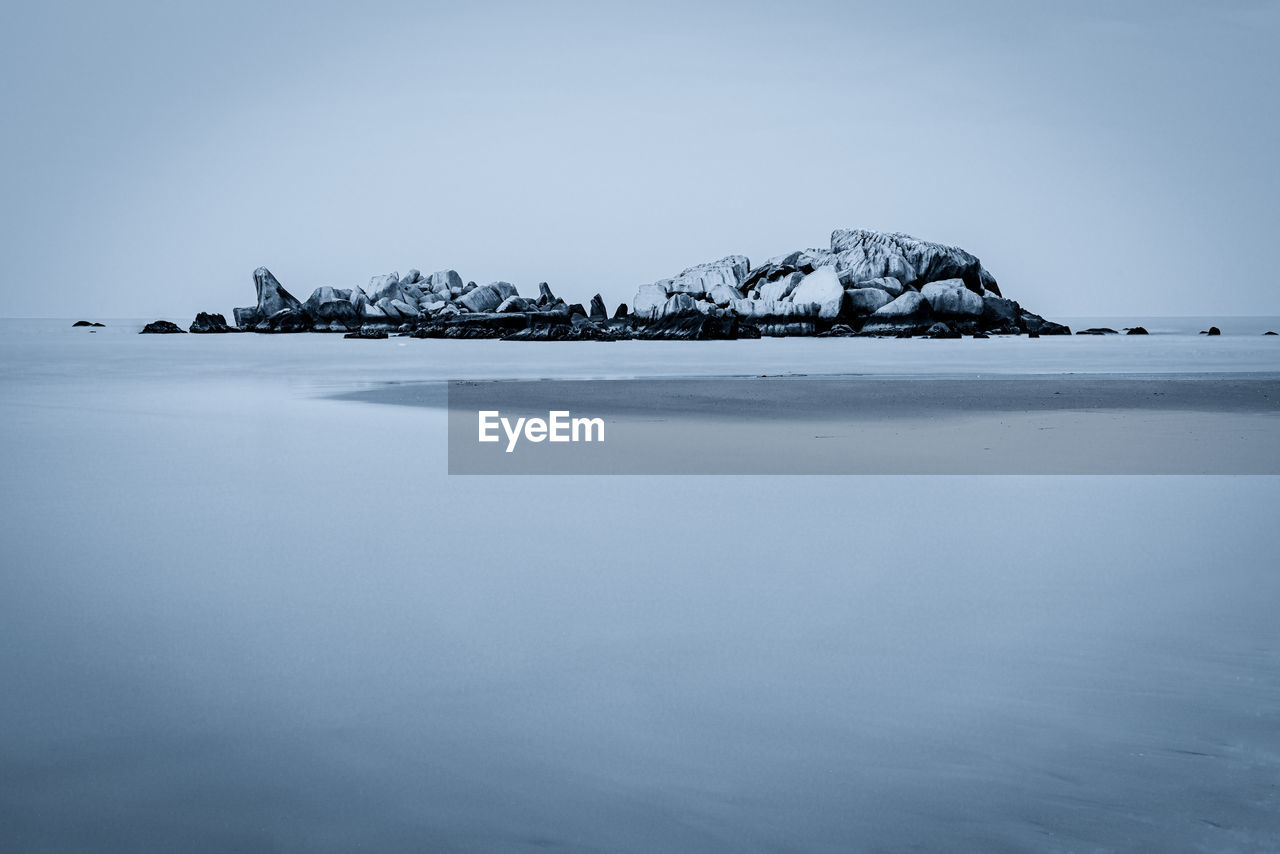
238	616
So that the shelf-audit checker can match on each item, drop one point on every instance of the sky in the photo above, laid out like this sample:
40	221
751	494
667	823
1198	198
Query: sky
1102	158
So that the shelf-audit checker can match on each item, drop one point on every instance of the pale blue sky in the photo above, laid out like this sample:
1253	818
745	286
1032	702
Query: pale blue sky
1101	158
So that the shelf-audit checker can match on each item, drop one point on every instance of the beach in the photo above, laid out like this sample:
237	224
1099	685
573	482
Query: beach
246	608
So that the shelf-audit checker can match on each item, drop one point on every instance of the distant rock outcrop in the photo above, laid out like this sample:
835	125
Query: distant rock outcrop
162	327
866	283
205	324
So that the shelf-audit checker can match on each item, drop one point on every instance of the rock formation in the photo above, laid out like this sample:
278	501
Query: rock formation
866	283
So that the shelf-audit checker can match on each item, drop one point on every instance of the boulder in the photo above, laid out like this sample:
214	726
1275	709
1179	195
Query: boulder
723	295
515	304
442	282
368	334
888	284
1097	330
331	309
1137	330
1035	325
162	327
820	287
941	330
649	300
505	289
384	287
780	288
909	313
1000	314
787	328
206	324
411	278
285	320
873	254
87	323
864	301
620	312
679	305
272	299
702	278
482	299
1269	332
598	311
950	298
1212	330
545	297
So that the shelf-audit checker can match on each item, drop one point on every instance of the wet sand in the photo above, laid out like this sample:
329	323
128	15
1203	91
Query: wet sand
1073	424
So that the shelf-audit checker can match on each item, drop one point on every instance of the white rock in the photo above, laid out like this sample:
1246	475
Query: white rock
481	299
442	281
380	287
821	286
649	300
406	309
888	284
780	288
504	289
722	295
952	298
679	304
908	304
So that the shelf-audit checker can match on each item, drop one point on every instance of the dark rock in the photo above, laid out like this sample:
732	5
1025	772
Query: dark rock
369	334
1033	334
840	330
332	310
87	323
1137	330
545	297
598	311
1212	330
1000	314
163	327
979	335
576	308
621	311
1268	332
693	327
941	330
272	299
1037	324
1097	330
206	324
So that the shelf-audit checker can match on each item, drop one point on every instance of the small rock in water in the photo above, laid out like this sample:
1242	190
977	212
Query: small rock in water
1268	332
1212	330
163	327
1137	330
87	323
209	323
1097	330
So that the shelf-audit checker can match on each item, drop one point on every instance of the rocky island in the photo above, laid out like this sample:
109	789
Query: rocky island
867	283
